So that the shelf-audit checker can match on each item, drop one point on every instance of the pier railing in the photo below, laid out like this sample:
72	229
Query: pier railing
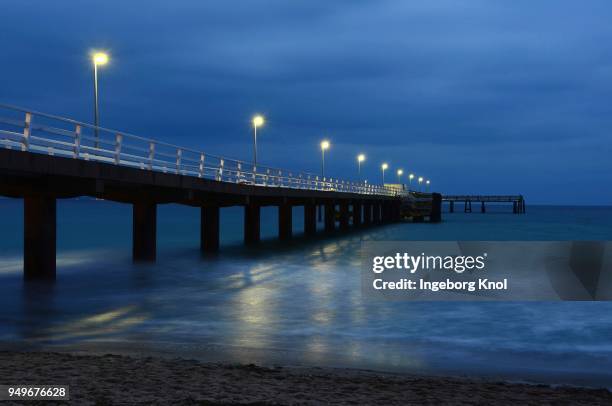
41	133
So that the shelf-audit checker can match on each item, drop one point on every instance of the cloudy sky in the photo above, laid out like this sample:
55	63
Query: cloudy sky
480	96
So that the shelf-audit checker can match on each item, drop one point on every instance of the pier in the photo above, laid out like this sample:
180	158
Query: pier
517	201
44	158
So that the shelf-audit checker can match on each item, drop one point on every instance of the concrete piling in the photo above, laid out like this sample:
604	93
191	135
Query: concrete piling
209	229
252	214
285	221
40	219
144	231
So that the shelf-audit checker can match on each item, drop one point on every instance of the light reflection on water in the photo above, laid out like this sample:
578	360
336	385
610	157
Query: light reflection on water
301	304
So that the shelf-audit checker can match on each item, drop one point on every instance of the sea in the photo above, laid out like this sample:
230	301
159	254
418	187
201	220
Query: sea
294	304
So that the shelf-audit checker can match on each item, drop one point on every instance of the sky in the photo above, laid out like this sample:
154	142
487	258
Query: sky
480	96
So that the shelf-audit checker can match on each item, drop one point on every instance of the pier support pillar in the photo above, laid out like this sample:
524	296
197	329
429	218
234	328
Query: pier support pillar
39	242
468	206
285	221
514	207
144	231
367	213
344	215
209	229
390	216
376	212
451	207
357	217
436	208
483	208
252	223
386	212
310	219
330	217
397	211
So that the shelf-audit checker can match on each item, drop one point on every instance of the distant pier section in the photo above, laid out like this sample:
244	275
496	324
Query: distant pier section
518	202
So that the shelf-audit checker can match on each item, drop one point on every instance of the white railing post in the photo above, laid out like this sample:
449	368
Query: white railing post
239	166
179	155
118	140
151	154
201	172
266	177
77	141
25	146
220	170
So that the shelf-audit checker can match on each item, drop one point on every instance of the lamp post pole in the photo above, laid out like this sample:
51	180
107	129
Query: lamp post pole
384	167
324	145
258	121
255	145
360	159
322	163
99	58
96	110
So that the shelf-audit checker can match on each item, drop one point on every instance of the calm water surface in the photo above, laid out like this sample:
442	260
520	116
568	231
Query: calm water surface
295	304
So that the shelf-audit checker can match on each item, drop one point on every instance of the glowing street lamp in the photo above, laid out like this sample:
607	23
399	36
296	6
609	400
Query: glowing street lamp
384	167
258	121
427	184
360	159
324	146
98	59
420	181
410	177
400	172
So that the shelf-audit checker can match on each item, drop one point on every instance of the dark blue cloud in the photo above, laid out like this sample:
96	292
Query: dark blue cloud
479	96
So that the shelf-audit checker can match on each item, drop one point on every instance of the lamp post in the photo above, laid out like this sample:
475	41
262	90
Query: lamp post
400	172
360	159
384	167
427	184
98	59
324	146
420	181
258	121
410	177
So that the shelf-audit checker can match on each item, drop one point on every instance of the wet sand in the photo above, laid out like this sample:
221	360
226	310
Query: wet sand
116	379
